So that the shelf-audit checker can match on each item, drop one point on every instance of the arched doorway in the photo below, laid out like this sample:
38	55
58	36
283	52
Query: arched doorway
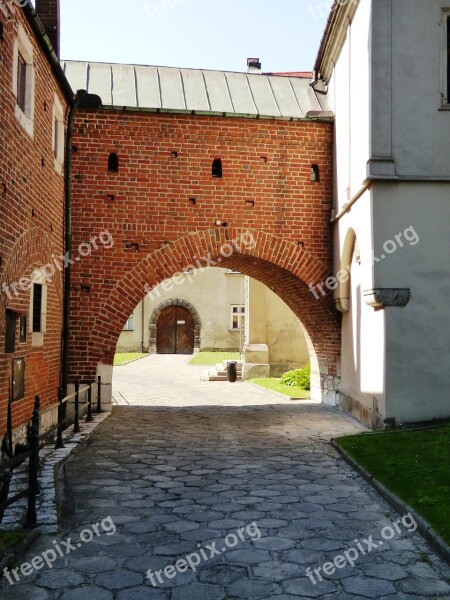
175	331
168	335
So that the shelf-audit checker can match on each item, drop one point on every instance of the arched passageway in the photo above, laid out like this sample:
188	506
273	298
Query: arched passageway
285	267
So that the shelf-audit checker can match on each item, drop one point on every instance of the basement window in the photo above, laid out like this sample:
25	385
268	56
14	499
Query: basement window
217	167
113	163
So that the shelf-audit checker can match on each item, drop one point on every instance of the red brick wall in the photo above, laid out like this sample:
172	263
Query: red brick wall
267	162
31	224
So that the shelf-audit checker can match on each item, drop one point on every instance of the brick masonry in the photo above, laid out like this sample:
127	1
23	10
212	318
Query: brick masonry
31	223
161	209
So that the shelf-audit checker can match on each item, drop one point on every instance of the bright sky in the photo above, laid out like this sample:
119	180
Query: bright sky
209	34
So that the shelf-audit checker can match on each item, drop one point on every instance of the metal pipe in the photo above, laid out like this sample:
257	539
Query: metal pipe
68	236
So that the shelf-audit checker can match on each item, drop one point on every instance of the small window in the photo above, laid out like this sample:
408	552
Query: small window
18	368
21	83
10	335
37	308
58	135
129	325
23	80
113	163
445	67
23	329
238	317
448	56
55	138
217	167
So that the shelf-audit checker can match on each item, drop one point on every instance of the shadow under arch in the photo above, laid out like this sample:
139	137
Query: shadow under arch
283	266
152	323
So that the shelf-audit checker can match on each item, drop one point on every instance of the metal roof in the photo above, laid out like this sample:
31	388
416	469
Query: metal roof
169	89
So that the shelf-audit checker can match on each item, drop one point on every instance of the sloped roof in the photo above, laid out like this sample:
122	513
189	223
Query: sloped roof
168	89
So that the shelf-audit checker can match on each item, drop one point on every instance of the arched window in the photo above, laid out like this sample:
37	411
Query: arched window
113	163
217	167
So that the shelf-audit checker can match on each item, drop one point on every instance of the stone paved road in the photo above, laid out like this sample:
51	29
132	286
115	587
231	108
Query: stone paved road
174	478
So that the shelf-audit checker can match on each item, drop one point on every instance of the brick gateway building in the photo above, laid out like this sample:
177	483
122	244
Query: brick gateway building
152	171
219	158
164	168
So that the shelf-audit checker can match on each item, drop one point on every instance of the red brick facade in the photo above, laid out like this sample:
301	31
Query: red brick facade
161	209
31	222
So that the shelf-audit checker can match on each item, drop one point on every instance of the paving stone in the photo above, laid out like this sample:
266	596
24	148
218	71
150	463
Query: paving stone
59	578
248	557
276	570
367	587
200	535
95	564
425	586
274	543
304	588
199	591
88	591
251	588
222	574
140	593
119	579
387	571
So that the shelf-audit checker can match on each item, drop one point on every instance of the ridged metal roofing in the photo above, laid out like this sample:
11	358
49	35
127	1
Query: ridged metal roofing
190	91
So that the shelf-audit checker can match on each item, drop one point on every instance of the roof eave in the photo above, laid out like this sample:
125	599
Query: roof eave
47	47
333	38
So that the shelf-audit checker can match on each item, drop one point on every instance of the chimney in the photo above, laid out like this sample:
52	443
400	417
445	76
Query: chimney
254	65
48	12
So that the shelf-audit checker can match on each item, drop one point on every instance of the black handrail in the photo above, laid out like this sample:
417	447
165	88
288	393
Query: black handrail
31	451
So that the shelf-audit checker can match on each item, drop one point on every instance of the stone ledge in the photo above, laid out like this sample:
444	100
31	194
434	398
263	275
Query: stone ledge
46	506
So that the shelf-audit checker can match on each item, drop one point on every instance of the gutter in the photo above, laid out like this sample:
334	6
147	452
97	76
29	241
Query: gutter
68	236
47	48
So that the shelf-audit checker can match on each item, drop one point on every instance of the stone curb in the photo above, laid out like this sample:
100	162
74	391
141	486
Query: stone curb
438	544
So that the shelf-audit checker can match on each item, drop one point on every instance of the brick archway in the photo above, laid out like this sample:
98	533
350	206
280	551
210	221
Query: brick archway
159	309
285	267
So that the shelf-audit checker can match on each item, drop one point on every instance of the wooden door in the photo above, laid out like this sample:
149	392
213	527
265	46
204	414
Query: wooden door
175	331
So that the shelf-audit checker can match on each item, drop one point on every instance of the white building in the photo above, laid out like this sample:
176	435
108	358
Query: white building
384	65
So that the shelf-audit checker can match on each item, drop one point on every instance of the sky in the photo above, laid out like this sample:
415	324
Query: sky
207	34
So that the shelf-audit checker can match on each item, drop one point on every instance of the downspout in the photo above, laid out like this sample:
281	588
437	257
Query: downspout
143	326
68	236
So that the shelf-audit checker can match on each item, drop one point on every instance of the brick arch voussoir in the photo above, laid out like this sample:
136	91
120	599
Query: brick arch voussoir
249	248
33	249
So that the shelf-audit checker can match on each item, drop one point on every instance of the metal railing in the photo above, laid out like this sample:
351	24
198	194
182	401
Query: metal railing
36	442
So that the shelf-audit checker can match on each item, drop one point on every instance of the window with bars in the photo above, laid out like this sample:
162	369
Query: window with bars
37	308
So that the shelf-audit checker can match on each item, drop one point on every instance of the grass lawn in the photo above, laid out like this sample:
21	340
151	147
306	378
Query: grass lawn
123	358
212	358
273	383
412	464
9	541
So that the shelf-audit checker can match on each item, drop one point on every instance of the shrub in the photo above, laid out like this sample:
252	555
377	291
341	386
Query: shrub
298	377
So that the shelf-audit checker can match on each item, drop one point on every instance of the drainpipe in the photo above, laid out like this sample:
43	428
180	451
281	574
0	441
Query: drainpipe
68	236
143	326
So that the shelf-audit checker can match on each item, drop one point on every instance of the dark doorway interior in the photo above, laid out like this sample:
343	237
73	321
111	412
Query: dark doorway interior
175	331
